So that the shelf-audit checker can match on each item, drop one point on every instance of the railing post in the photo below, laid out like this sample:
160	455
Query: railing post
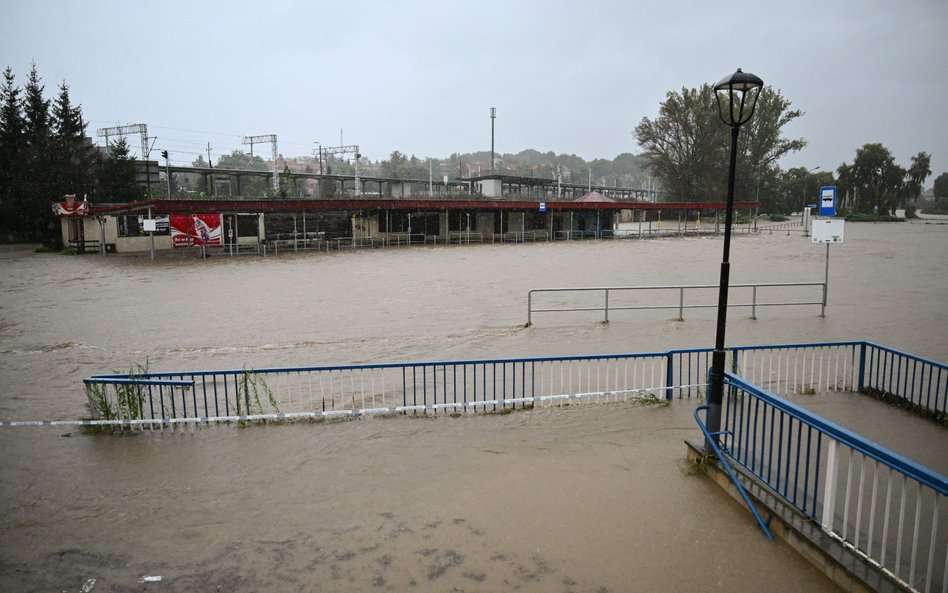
606	320
829	488
669	375
529	307
681	304
862	367
754	302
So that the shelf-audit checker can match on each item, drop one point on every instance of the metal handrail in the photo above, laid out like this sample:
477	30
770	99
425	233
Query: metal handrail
719	455
681	298
811	448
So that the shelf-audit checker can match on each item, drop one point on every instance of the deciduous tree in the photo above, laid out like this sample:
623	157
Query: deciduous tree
875	182
687	145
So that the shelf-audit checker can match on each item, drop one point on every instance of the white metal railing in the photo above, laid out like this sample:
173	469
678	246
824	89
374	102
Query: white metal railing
680	289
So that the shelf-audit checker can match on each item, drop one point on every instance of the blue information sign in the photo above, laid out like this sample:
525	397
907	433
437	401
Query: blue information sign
542	206
828	201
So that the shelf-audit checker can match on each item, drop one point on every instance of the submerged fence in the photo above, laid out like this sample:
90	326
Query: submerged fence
667	293
150	399
887	508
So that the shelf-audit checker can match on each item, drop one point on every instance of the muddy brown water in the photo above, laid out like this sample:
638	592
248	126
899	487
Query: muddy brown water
574	499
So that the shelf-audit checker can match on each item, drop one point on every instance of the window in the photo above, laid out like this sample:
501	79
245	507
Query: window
133	225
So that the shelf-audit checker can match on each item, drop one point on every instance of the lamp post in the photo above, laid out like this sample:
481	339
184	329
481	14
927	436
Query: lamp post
737	96
806	176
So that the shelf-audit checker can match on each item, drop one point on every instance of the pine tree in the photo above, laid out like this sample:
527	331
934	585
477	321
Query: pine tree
117	182
11	149
75	159
34	196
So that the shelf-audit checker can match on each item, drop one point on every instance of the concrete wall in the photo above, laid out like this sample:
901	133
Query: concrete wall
491	188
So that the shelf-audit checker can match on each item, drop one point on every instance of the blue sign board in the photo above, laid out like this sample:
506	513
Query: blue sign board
542	206
828	201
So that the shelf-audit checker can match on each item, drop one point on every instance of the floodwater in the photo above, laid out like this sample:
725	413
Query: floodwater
571	499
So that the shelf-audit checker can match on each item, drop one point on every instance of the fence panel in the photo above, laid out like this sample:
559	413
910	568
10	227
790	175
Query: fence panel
889	509
912	381
446	387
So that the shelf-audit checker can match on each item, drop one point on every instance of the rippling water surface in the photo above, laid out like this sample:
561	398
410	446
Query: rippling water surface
573	499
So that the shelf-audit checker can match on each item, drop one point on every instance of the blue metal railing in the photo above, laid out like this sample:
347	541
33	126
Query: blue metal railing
490	384
316	392
827	473
719	454
912	381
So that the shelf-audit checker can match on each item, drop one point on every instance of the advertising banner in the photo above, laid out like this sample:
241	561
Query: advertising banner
195	229
70	209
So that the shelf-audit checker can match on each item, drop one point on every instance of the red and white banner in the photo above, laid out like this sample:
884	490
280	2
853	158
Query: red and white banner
195	229
74	209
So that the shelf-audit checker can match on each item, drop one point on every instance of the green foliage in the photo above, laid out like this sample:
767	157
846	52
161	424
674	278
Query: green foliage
650	399
249	388
874	180
795	188
687	146
697	465
43	156
941	186
118	175
239	160
69	251
129	400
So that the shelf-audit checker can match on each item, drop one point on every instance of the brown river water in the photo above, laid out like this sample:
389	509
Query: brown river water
588	498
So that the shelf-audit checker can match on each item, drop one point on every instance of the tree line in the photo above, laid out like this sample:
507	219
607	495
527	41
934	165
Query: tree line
45	154
686	147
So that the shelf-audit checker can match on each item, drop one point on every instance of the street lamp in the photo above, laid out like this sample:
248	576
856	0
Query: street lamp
737	96
806	176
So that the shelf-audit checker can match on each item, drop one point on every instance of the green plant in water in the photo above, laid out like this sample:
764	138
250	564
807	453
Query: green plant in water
250	387
808	390
698	464
650	399
98	404
129	400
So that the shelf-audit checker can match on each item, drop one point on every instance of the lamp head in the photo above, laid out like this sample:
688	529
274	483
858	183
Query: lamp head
737	96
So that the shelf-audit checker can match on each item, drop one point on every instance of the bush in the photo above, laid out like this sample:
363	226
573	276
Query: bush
69	251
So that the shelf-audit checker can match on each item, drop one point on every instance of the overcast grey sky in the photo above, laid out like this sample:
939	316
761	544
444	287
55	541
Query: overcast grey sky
420	77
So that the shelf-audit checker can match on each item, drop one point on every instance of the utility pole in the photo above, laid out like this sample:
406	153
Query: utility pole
493	116
340	150
272	139
142	131
210	176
